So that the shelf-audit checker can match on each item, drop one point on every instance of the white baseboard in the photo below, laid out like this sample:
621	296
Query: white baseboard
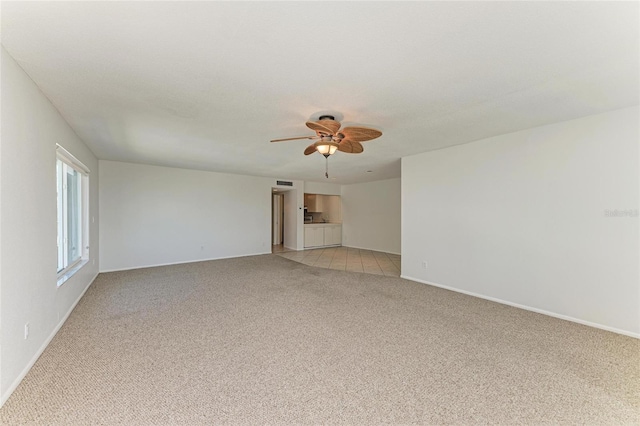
529	308
21	376
321	247
181	263
367	248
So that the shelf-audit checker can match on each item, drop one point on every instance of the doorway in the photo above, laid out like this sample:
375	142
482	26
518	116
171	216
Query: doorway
277	219
286	217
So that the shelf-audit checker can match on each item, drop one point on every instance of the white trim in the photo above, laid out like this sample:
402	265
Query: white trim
69	162
35	357
320	247
65	274
67	157
529	308
182	263
370	249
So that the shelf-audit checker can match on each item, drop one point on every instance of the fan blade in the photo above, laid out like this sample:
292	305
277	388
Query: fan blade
324	126
310	149
293	139
360	134
350	147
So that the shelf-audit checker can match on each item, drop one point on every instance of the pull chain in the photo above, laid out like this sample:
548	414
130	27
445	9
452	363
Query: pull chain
326	170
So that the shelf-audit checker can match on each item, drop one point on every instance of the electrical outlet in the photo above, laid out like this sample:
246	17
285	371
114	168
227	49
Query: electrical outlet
26	330
425	265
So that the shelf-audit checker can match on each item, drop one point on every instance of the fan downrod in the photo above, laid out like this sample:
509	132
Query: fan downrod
326	117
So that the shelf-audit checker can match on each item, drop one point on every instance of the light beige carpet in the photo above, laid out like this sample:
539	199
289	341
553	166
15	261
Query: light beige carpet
265	340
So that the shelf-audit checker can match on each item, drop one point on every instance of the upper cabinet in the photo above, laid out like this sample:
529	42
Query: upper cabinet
332	208
329	205
313	202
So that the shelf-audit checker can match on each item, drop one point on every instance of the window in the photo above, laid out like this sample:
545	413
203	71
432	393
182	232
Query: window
72	179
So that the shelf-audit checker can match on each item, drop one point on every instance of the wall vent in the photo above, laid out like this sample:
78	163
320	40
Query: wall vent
284	183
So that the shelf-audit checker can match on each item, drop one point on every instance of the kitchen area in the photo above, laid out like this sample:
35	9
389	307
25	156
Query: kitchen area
322	220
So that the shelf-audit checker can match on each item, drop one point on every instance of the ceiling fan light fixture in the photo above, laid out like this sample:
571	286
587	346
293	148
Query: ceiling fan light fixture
326	148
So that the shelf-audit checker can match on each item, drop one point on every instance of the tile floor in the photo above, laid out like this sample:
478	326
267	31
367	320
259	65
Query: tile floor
346	259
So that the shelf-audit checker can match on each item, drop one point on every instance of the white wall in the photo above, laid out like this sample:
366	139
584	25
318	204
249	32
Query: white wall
159	215
290	219
522	218
31	127
371	215
322	188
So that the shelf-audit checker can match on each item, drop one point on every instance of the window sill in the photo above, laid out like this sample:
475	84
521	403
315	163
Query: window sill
68	274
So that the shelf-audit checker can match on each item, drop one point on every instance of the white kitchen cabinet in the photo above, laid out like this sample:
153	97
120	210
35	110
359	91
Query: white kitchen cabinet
333	235
313	236
321	235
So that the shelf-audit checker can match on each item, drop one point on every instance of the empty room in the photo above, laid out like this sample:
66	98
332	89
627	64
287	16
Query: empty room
319	213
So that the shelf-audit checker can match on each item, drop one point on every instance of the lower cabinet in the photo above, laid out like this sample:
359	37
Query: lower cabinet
313	236
332	235
324	235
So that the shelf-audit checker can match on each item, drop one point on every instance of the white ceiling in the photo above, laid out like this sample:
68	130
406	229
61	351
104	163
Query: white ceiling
206	85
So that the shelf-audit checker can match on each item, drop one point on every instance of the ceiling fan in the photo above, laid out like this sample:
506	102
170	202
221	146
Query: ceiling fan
330	138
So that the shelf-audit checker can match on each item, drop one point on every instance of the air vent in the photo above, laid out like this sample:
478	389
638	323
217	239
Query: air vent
284	183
